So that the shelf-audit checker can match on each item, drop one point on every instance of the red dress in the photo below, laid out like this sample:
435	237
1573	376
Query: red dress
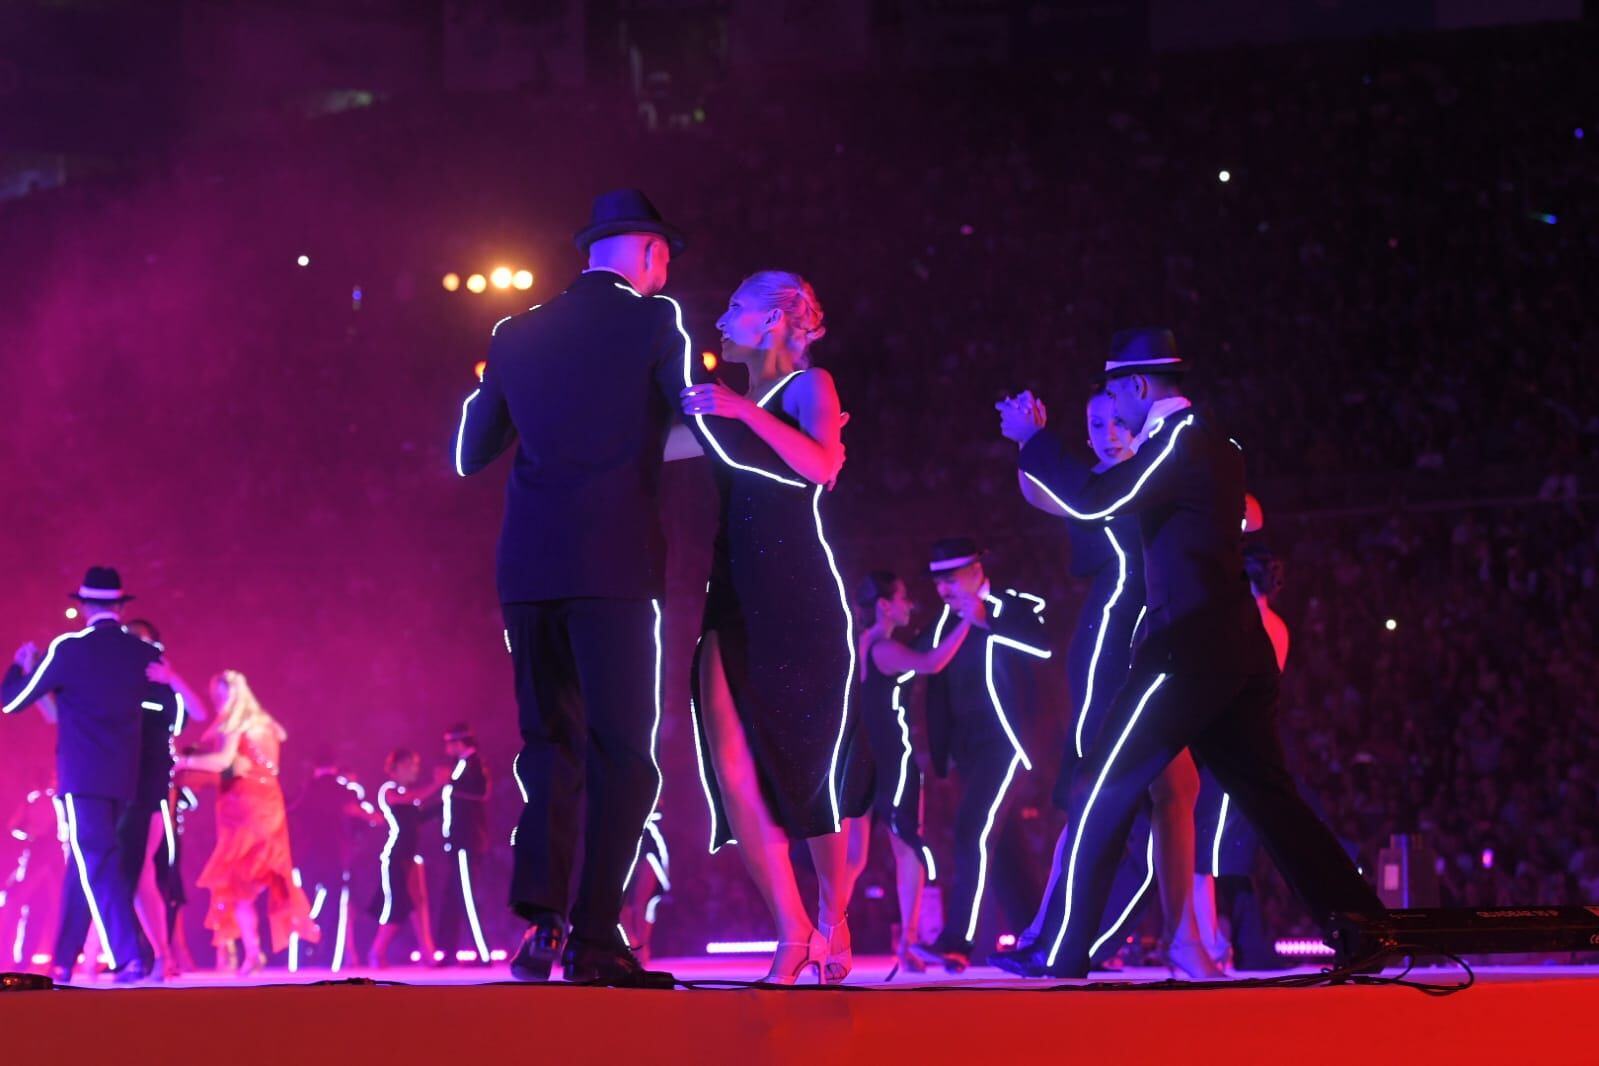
252	849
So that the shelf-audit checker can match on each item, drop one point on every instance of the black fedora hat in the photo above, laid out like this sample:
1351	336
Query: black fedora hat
627	211
101	584
1147	350
952	553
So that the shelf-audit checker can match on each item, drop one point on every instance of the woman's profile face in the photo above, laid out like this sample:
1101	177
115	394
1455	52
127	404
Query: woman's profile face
744	326
406	772
1107	434
900	605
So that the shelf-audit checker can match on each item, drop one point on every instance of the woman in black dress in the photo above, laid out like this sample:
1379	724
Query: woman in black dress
886	668
403	886
774	667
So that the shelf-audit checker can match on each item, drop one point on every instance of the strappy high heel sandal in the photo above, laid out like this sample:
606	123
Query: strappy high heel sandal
840	955
1190	959
794	958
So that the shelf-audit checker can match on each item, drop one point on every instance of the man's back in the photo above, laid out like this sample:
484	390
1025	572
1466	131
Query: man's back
586	386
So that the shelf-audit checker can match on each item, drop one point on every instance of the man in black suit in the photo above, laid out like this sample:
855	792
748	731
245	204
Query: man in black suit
465	827
978	709
1203	673
97	676
586	388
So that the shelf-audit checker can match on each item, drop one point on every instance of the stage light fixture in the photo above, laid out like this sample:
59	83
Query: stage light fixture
522	279
482	365
710	360
1390	625
72	612
1225	176
304	260
501	277
452	281
477	283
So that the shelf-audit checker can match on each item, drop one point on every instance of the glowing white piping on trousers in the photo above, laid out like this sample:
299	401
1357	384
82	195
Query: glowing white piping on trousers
904	737
932	867
1221	831
517	777
388	851
344	917
1099	638
1077	837
660	872
649	909
1136	623
982	844
655	730
39	671
1171	442
999	708
321	898
171	834
178	722
849	643
508	642
460	434
688	382
83	878
660	850
1132	904
699	758
471	906
22	935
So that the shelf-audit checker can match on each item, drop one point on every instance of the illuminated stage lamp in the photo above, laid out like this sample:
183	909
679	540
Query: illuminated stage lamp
72	612
482	365
1224	177
477	283
452	281
1390	625
501	277
710	360
304	260
522	279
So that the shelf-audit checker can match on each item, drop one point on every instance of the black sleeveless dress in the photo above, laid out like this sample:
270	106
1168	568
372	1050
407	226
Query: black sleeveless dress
777	605
896	779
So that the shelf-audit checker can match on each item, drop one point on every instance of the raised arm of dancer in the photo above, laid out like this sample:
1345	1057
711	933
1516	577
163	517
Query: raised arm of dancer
161	673
815	452
1035	495
1146	480
212	761
892	657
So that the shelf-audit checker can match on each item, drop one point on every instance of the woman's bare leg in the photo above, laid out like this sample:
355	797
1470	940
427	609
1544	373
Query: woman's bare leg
1174	795
763	844
148	902
909	878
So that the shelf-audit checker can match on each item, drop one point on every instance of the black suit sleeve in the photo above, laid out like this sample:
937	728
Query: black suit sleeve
474	782
20	690
675	365
1146	480
485	431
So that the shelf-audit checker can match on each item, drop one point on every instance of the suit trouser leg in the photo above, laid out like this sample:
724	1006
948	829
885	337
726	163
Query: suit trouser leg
549	768
462	876
447	922
1130	890
617	646
96	863
987	777
1241	747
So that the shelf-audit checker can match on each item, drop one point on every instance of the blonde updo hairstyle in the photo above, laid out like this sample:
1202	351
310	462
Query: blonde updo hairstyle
792	295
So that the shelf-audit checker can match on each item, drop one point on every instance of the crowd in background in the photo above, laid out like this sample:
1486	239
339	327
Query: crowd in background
1383	300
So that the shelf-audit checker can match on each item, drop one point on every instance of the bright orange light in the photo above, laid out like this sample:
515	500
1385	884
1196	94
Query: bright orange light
477	283
709	359
522	279
452	281
482	365
501	277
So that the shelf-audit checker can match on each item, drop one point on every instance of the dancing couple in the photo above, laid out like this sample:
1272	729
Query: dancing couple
587	388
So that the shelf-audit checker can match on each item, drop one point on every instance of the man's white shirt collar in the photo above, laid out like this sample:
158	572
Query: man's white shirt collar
1159	412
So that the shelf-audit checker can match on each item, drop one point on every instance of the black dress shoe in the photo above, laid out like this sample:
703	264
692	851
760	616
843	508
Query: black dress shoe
132	974
953	957
541	946
1029	962
61	975
588	963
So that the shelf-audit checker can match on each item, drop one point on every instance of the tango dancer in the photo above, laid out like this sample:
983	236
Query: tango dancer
465	828
30	894
252	853
97	676
1202	675
584	388
773	670
887	668
1161	849
977	711
402	871
329	819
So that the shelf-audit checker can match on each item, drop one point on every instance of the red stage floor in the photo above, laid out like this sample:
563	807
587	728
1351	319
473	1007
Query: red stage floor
1514	1014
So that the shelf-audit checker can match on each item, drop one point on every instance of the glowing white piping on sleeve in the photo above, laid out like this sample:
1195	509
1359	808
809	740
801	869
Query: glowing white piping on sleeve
460	434
1171	442
39	671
